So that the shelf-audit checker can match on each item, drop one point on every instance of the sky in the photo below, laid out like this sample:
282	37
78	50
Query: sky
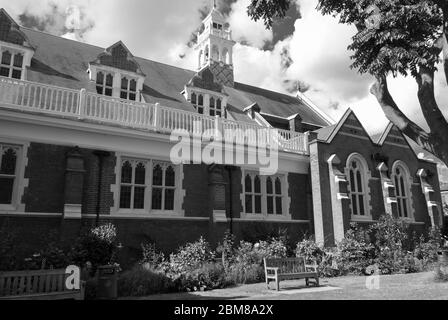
306	51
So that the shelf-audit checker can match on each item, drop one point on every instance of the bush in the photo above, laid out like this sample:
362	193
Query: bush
274	248
312	253
208	277
354	252
98	246
226	249
241	273
151	257
141	281
190	257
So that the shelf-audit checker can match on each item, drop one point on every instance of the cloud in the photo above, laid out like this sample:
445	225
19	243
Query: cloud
306	52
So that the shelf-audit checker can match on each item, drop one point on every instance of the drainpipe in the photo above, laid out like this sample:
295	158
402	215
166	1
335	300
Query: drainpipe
100	155
229	170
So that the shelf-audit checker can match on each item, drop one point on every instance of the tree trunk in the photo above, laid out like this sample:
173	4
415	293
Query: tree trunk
436	121
380	90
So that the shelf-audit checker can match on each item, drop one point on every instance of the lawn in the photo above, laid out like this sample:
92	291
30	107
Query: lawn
417	286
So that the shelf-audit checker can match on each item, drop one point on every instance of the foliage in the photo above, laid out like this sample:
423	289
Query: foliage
151	257
141	281
191	256
241	273
208	277
226	249
97	245
268	10
355	253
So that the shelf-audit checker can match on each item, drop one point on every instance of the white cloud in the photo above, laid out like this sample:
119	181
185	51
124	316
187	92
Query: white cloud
246	30
159	30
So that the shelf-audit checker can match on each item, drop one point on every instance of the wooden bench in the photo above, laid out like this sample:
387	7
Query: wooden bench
288	269
37	285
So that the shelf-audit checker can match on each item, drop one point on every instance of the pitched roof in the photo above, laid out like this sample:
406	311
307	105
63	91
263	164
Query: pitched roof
62	62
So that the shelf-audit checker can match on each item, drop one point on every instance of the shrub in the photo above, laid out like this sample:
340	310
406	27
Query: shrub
226	249
440	274
241	273
141	281
354	252
191	256
208	277
426	250
97	245
325	258
151	257
274	248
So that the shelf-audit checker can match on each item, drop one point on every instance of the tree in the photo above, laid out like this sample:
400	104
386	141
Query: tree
407	37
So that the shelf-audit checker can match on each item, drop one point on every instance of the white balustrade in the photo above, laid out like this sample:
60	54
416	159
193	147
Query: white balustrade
82	105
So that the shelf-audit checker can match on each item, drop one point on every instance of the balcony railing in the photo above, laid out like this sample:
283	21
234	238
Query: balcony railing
82	105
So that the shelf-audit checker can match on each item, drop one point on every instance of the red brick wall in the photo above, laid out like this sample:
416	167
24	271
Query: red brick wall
46	174
195	184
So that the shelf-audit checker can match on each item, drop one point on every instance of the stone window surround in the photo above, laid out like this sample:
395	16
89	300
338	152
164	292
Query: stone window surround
409	184
20	182
286	216
148	212
26	52
366	179
118	74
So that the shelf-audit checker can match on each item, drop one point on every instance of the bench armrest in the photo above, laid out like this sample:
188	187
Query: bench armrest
311	267
272	269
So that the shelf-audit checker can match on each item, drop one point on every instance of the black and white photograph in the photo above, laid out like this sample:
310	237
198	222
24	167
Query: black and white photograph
223	155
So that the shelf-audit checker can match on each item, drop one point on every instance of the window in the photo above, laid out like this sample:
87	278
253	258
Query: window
133	185
200	105
128	89
274	198
11	64
253	195
146	185
217	26
264	196
163	187
215	107
8	173
357	186
400	178
104	83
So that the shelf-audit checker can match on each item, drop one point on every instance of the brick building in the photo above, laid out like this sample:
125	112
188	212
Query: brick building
85	134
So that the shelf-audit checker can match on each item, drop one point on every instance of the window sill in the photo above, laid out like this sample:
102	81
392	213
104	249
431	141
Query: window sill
7	207
265	217
365	219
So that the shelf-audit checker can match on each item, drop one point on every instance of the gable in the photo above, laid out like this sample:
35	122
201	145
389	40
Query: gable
10	31
119	57
395	137
349	125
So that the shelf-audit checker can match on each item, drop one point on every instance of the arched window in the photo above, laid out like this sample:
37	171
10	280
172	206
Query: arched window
218	107
358	184
225	56
163	187
215	53
253	195
401	179
194	99
132	185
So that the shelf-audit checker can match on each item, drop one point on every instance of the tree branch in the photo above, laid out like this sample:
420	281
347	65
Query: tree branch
381	91
433	116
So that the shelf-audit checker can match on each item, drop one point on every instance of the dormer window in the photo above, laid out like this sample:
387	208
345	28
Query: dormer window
11	64
128	89
217	26
200	105
215	107
104	83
